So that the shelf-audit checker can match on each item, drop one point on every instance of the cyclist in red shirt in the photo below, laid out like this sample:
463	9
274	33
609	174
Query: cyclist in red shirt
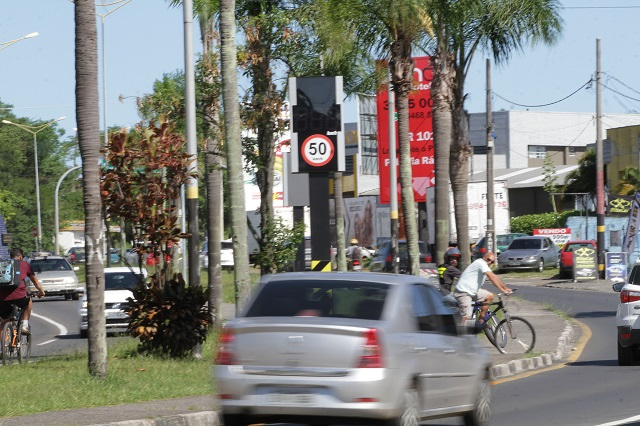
18	296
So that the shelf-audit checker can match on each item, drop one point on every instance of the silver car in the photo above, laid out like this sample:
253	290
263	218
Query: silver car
536	252
338	347
57	276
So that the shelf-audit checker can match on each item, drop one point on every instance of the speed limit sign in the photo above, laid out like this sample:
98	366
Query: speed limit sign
317	150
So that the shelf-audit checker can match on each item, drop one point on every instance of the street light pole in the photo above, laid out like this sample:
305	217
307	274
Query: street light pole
56	219
9	43
35	132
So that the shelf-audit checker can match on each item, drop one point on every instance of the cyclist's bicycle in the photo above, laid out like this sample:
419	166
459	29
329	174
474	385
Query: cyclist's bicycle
512	334
15	345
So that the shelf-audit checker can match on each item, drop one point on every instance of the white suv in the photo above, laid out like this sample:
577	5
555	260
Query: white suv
627	318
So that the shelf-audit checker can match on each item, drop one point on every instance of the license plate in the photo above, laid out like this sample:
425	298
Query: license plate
289	398
516	263
117	315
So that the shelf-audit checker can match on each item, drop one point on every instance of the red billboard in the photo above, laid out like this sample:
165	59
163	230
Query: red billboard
420	134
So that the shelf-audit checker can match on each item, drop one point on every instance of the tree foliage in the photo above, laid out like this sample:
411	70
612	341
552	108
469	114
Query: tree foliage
629	182
527	223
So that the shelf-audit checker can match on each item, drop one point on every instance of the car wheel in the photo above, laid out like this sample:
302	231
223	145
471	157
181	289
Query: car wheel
67	297
540	267
84	334
410	414
233	420
75	296
481	414
625	355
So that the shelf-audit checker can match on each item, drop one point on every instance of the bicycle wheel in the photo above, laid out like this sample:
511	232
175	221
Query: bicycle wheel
520	336
24	349
491	326
7	350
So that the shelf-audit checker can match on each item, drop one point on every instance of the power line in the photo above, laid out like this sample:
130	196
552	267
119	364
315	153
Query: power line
544	105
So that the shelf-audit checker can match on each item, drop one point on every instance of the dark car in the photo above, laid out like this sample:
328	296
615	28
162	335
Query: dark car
382	260
566	255
76	255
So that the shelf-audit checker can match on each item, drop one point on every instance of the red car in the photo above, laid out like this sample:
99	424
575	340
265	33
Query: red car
566	255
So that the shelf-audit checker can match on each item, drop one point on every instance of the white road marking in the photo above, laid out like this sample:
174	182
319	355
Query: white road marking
621	422
62	328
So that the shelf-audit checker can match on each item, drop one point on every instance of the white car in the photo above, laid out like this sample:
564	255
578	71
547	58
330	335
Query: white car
627	318
226	255
118	283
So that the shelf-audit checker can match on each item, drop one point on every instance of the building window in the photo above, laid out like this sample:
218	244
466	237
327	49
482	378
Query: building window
537	151
572	151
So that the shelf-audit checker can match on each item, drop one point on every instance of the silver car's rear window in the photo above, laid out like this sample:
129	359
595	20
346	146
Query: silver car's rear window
341	299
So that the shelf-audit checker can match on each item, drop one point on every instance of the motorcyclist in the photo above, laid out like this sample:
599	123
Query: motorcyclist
448	271
355	255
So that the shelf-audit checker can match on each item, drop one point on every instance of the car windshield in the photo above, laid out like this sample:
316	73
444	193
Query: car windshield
574	246
322	299
226	245
121	280
525	244
504	240
45	265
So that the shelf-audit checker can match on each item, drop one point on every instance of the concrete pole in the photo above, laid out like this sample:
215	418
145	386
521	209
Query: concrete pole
393	178
490	235
599	167
190	123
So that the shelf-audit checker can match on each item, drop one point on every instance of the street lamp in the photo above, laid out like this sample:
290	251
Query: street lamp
118	4
9	43
56	219
34	130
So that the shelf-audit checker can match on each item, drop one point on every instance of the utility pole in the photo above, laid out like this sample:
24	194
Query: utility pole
190	124
393	178
490	233
599	167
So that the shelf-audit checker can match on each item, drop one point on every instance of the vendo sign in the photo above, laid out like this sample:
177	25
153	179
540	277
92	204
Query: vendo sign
558	235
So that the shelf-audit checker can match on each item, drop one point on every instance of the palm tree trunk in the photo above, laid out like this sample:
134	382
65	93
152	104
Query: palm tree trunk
234	150
402	76
87	117
459	174
442	95
213	176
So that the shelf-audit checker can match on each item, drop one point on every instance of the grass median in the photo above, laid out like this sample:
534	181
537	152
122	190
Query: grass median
63	382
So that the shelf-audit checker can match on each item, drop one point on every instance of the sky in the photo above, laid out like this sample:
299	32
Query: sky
144	39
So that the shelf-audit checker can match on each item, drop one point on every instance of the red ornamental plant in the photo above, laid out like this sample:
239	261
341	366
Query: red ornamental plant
141	181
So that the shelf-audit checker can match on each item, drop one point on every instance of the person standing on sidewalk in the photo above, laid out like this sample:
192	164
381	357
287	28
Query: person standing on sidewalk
468	288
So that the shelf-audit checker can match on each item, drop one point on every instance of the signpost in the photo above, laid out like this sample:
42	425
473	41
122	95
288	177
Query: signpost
317	148
585	264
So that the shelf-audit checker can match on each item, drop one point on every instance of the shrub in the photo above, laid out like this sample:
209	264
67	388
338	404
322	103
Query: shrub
527	223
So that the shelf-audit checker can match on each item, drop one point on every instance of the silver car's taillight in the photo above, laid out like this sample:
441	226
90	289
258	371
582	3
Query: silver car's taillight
371	351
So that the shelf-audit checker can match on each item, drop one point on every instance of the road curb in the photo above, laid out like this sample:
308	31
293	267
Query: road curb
202	418
566	343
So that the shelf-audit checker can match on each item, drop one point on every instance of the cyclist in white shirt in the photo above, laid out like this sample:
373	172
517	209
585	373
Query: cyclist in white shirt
468	286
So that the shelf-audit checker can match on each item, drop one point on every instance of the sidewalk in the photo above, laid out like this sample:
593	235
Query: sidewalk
555	339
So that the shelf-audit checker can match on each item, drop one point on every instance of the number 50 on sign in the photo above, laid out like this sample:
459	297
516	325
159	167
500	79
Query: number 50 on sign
317	150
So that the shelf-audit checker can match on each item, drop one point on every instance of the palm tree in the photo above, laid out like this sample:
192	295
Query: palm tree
88	119
498	27
629	182
233	144
386	29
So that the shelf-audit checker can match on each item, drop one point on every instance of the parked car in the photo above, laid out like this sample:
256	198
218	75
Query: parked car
627	318
501	244
76	255
382	259
114	255
535	252
337	347
226	255
566	255
118	283
57	276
